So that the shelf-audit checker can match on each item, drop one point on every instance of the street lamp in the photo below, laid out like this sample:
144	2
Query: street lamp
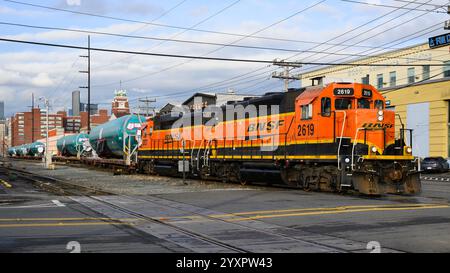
48	158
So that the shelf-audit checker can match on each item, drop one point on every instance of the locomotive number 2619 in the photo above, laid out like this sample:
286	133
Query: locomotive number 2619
305	130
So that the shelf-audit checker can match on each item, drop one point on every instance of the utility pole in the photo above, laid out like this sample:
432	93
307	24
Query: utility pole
447	22
147	102
286	74
88	87
48	158
32	117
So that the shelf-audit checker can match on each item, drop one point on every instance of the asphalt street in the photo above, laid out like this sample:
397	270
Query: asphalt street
199	217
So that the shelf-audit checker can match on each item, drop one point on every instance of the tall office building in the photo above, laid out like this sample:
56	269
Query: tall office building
2	110
75	103
84	108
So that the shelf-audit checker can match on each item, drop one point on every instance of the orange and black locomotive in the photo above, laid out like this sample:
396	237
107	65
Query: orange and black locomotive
337	137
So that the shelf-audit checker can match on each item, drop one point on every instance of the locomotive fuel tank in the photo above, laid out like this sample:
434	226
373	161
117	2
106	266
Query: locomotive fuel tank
116	137
72	145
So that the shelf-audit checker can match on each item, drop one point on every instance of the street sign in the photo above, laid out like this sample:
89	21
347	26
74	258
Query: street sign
438	41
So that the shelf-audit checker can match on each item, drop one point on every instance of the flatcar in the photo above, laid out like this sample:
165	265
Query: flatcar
338	137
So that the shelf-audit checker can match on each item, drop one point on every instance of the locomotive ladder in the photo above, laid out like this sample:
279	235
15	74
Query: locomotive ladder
206	153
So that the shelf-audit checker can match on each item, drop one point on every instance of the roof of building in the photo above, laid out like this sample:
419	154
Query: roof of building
221	98
360	59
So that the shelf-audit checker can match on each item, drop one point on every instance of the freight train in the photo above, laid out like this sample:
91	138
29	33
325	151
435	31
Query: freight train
35	149
339	137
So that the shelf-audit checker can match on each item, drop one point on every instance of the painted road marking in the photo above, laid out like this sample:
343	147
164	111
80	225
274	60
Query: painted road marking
65	219
264	214
57	203
6	184
53	204
62	224
334	212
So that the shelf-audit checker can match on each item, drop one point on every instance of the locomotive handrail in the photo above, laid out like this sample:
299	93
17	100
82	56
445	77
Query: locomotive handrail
340	139
353	148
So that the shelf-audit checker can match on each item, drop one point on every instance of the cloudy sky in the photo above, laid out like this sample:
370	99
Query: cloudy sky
53	72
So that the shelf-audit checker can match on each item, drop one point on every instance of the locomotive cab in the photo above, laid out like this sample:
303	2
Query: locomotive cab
360	131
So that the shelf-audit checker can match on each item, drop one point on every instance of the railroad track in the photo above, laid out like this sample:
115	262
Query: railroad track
286	234
69	189
390	197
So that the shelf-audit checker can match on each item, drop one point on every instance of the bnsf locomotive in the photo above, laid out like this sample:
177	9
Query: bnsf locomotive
337	137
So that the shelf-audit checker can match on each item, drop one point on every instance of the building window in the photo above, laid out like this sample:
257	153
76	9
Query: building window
447	69
425	72
380	81
365	80
411	75
392	78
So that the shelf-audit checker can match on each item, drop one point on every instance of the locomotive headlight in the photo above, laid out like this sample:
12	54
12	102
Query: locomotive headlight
347	160
380	115
409	150
374	149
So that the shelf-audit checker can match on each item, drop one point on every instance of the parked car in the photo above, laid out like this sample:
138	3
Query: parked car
434	164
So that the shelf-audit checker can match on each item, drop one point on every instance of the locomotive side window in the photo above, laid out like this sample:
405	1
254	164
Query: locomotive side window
326	107
306	111
363	104
343	104
379	104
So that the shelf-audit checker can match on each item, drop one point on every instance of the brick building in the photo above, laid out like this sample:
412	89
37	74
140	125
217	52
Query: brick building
23	131
27	127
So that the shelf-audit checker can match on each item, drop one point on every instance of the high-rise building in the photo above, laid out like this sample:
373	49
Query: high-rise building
75	103
84	108
2	110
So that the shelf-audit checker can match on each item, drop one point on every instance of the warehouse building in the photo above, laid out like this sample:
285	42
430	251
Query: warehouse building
419	94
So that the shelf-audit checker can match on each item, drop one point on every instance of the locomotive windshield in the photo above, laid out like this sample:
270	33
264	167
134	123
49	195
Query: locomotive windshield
379	104
363	104
343	104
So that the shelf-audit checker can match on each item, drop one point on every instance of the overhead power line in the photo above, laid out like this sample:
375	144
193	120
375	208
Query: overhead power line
178	27
175	40
200	57
168	39
296	13
379	47
217	13
396	7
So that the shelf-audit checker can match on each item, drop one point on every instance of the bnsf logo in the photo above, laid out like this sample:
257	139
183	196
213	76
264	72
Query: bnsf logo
265	126
378	125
